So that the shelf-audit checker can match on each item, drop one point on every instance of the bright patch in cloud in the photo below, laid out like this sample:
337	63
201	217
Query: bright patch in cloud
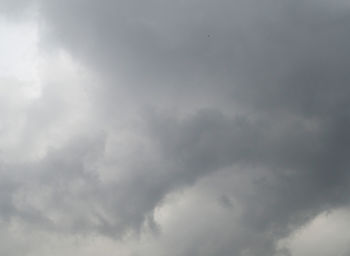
19	53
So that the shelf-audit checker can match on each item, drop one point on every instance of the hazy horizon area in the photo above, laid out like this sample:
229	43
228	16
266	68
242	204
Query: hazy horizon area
174	128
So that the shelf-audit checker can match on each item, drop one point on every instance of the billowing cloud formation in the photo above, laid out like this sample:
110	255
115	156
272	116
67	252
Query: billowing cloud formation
181	128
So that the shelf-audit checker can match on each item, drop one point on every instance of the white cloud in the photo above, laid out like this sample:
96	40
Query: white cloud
328	234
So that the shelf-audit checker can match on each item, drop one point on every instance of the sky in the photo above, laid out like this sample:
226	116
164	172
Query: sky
181	128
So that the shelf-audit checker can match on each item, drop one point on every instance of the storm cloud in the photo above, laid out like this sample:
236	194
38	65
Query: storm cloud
174	127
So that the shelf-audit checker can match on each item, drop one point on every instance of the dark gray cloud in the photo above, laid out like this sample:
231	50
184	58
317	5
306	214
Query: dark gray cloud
186	92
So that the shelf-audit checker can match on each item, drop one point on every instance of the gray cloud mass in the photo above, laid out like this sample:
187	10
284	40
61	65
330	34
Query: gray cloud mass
243	101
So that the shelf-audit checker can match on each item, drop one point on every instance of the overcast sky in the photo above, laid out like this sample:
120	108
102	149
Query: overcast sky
174	128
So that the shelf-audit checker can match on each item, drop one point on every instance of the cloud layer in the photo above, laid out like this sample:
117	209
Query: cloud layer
175	128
